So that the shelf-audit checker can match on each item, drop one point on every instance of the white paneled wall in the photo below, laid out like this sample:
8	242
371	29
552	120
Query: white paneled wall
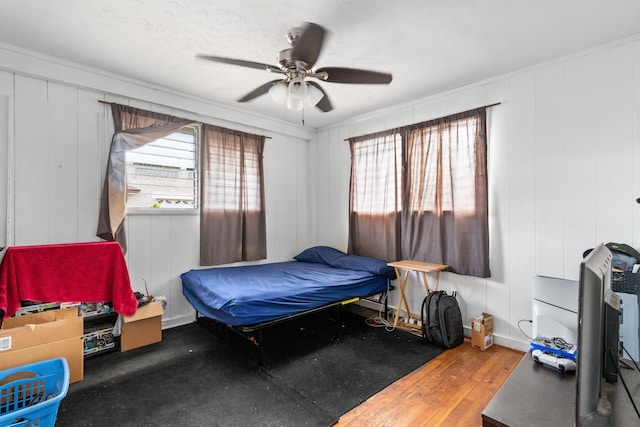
6	134
564	173
54	142
564	150
580	175
333	161
511	299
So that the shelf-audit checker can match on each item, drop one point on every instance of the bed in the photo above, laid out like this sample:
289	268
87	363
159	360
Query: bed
249	298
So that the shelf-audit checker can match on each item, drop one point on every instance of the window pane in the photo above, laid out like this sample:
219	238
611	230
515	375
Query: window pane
461	160
163	173
377	172
443	167
224	189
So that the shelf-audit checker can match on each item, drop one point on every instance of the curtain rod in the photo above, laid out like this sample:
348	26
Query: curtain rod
491	105
477	108
111	103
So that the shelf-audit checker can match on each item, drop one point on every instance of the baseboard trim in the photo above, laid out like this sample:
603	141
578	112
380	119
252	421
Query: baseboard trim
503	341
178	321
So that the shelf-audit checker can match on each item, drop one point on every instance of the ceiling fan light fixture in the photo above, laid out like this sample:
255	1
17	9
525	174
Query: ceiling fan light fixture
297	88
314	95
279	92
294	104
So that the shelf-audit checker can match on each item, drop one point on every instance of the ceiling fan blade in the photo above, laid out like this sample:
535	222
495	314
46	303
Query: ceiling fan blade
324	104
241	62
261	90
354	75
307	48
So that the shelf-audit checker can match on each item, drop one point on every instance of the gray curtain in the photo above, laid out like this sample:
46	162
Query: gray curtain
133	128
232	208
443	213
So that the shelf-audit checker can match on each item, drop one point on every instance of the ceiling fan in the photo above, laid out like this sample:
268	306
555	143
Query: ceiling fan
296	64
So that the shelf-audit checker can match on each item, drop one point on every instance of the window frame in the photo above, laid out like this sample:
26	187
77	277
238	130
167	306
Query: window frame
406	199
195	210
371	144
442	179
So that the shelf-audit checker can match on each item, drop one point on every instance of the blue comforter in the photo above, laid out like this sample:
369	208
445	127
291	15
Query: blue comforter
249	295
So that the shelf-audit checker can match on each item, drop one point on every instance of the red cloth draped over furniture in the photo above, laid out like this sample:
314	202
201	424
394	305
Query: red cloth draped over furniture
83	272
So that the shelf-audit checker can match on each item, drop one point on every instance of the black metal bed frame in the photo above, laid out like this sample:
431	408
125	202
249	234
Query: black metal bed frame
248	332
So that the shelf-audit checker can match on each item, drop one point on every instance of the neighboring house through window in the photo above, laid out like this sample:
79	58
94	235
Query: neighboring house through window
163	174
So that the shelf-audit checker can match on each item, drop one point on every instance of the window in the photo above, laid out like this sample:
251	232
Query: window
163	174
442	167
377	171
420	193
233	177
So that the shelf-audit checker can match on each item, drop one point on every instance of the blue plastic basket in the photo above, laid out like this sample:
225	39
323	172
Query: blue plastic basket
30	394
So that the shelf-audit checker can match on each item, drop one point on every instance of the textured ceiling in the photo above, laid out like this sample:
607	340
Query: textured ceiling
428	45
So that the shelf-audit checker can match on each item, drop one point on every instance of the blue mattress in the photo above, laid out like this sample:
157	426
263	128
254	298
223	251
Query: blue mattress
249	295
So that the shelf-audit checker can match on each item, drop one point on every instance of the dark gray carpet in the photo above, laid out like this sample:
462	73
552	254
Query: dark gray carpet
199	378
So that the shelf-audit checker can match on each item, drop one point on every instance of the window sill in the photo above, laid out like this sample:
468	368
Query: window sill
154	212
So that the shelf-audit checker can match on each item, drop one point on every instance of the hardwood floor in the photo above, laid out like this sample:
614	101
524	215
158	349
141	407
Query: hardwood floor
451	390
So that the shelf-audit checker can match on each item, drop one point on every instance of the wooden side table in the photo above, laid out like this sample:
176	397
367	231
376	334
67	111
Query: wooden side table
422	268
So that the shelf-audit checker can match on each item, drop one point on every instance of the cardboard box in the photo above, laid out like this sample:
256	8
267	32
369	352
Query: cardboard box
39	336
482	331
143	328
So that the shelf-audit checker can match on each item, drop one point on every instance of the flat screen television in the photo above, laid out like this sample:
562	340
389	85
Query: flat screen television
598	340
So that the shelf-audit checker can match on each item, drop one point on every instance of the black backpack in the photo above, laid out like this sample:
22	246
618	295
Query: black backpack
442	319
